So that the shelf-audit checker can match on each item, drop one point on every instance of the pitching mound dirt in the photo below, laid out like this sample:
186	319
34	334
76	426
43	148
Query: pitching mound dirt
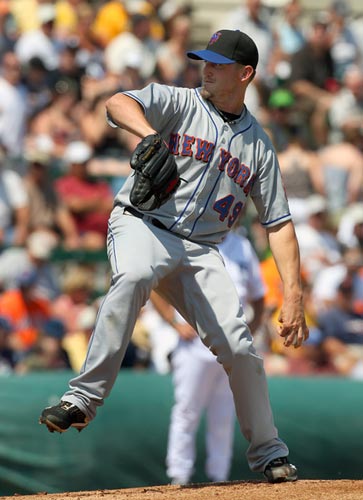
237	490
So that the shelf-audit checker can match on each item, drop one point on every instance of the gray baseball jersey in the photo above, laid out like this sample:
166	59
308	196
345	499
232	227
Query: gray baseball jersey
220	164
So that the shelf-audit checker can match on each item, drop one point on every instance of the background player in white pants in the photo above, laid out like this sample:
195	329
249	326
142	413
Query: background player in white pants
223	156
200	383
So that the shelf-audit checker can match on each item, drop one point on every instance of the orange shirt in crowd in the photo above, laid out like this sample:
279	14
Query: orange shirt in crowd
25	316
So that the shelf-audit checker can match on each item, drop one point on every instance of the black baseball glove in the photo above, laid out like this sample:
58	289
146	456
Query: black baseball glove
156	174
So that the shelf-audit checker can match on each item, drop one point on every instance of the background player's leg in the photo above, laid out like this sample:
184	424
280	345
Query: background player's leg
221	418
192	387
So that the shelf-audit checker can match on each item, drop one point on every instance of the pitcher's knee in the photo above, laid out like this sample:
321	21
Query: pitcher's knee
138	278
228	353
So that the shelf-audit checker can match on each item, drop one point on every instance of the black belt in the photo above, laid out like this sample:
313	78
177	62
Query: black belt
155	222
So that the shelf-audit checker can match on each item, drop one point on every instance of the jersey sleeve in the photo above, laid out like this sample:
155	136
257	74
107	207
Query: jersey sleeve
161	104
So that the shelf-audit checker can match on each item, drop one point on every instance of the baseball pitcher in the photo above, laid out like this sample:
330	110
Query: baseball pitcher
201	155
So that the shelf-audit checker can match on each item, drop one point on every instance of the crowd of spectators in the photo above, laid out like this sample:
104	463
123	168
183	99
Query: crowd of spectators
61	164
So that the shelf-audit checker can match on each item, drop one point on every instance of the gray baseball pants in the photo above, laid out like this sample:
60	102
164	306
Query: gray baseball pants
192	277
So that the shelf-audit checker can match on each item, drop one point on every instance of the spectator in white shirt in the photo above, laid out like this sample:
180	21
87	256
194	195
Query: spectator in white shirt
14	212
40	42
12	105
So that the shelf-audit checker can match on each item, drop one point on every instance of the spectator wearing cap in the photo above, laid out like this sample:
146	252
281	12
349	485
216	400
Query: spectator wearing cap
69	70
346	112
319	247
35	258
40	42
134	48
77	289
38	89
350	227
312	78
279	118
160	13
342	329
46	211
324	291
88	199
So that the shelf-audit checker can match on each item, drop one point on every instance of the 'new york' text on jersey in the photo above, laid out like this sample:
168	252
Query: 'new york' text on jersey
221	164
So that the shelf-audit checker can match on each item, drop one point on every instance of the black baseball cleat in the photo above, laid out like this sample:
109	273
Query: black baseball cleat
280	470
62	416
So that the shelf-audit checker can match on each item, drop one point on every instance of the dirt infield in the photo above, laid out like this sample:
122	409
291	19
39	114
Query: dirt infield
236	490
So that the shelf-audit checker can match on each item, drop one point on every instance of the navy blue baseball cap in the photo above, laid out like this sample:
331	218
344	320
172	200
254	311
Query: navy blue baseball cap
227	47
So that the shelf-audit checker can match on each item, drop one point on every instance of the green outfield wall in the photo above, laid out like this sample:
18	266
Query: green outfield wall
321	419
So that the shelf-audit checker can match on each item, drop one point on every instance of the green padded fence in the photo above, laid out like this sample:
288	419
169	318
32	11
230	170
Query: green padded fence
321	419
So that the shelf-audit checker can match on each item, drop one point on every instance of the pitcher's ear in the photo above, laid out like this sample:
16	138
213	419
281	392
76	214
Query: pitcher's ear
248	71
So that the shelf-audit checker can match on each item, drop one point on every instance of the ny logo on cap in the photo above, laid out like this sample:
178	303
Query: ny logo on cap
215	38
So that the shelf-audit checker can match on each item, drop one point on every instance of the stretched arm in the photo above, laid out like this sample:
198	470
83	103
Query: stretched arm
68	228
129	115
285	250
304	88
